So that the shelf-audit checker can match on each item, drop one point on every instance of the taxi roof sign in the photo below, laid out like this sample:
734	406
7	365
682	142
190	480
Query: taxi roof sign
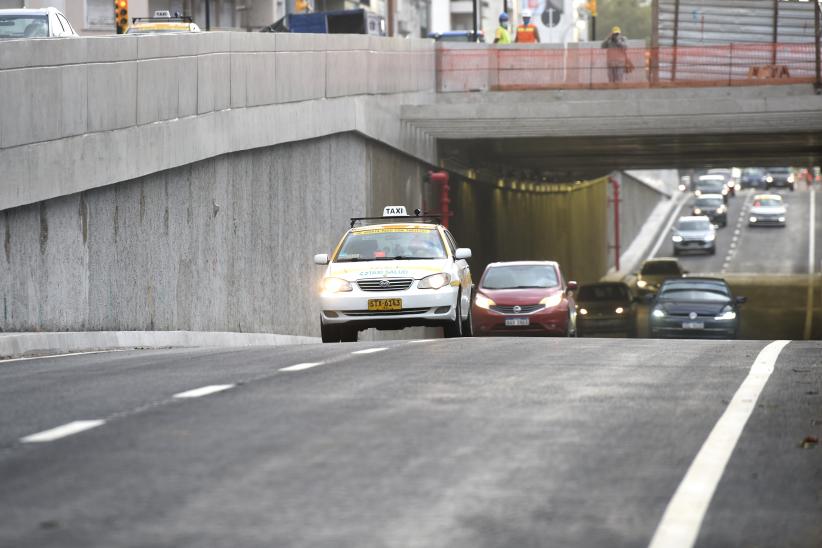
394	211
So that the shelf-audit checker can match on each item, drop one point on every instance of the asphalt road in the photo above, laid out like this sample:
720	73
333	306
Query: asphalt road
760	250
471	442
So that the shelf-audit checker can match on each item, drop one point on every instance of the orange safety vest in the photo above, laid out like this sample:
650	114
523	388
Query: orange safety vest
526	34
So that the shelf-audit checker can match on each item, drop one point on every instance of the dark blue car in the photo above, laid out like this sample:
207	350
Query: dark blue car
694	308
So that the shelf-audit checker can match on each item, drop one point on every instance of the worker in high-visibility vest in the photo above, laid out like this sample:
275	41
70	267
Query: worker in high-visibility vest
527	33
502	36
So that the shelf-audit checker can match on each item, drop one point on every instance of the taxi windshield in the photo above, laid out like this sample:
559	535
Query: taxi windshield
520	277
391	244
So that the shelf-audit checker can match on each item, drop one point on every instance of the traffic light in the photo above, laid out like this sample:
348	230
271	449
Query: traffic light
302	6
121	15
591	6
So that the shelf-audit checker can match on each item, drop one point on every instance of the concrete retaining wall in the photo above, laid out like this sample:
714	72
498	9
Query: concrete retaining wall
223	244
562	223
84	113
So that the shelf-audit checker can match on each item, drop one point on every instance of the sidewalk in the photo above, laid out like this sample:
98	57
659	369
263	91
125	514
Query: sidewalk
14	345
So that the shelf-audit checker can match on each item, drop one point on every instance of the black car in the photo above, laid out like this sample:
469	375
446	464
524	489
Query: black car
752	177
694	308
712	206
605	308
781	177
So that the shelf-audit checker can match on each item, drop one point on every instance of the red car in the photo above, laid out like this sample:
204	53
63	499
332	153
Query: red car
524	298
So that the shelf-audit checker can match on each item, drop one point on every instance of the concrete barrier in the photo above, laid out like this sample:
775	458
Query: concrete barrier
122	107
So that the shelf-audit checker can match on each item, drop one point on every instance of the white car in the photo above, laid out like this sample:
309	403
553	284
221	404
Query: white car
767	209
400	272
35	23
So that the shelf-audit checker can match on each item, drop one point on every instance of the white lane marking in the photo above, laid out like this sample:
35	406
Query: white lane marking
204	391
58	356
301	366
62	431
369	350
683	517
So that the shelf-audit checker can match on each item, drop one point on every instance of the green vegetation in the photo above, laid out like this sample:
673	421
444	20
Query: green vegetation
633	19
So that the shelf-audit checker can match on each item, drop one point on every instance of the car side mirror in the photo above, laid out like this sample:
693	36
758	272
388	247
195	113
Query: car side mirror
572	286
321	258
740	300
462	253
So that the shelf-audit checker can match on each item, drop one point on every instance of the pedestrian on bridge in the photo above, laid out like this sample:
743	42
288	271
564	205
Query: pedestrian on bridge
527	32
502	36
617	55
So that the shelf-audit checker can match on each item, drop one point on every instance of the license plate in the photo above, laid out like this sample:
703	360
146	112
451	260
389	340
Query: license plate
693	325
379	305
517	321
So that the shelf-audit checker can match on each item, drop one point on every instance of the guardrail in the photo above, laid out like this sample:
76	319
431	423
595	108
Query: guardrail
506	68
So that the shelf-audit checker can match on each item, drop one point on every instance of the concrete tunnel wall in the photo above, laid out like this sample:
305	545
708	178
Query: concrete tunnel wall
566	224
224	244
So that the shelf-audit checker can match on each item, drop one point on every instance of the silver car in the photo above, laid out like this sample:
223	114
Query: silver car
767	210
35	23
694	233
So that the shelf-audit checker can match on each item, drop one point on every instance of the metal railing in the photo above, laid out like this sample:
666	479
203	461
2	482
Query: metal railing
503	69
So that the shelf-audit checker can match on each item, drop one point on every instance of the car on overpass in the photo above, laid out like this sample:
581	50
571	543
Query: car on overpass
767	210
655	271
712	206
524	298
162	23
694	233
606	308
780	177
35	23
393	272
694	308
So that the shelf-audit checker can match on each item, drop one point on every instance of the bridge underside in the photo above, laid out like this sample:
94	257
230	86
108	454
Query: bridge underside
583	157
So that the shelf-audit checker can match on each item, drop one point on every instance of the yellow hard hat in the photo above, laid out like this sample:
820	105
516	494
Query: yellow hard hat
616	30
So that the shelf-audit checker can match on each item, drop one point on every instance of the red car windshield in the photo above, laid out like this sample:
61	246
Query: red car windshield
520	277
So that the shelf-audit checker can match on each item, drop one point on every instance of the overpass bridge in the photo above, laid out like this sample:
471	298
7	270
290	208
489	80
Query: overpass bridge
166	182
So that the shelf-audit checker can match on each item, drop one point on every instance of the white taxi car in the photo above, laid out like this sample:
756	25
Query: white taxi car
402	271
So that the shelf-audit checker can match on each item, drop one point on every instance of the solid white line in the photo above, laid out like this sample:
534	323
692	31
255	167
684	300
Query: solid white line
301	366
369	350
812	234
62	431
204	391
58	356
683	517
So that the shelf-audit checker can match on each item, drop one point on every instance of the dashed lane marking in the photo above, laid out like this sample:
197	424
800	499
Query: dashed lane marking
204	391
301	366
369	350
63	431
683	517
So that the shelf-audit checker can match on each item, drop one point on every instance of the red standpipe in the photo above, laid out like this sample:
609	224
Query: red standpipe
442	178
615	200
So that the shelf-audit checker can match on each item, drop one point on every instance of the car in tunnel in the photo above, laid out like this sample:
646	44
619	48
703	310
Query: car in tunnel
767	210
524	298
694	307
752	177
711	184
606	308
780	177
694	233
712	206
393	272
655	271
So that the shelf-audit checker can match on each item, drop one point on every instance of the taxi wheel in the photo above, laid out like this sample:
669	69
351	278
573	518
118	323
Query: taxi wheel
467	325
453	328
330	333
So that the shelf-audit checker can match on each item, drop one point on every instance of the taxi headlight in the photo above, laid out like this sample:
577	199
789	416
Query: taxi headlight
619	310
641	283
727	313
658	313
781	219
483	302
676	238
583	311
335	285
552	300
710	237
435	281
752	219
697	211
